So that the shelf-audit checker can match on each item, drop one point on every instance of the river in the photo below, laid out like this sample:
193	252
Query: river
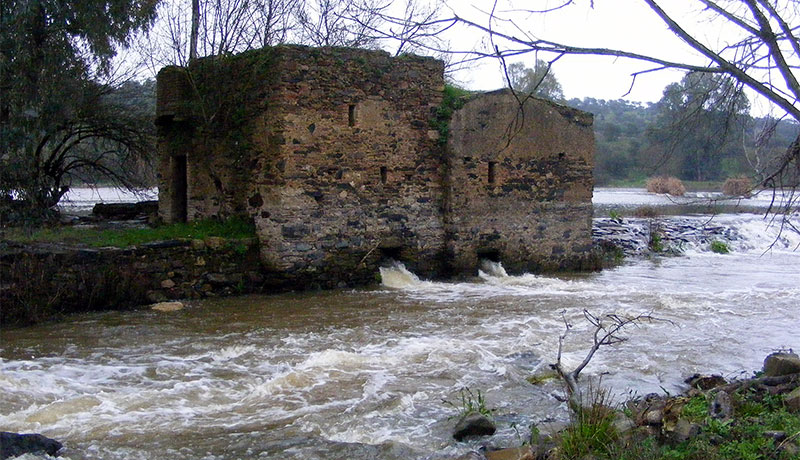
363	374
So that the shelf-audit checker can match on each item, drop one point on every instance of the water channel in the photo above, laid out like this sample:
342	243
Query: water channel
363	374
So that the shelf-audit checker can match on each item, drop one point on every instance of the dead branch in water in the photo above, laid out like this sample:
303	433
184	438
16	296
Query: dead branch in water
607	331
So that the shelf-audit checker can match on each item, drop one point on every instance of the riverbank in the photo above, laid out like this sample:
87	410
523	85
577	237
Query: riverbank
752	418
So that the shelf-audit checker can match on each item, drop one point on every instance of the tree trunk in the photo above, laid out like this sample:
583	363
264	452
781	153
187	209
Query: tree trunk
195	30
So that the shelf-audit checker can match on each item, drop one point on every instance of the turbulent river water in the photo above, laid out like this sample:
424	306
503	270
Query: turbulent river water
364	374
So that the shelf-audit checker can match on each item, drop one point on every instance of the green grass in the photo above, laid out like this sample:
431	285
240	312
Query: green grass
741	438
94	237
592	432
470	403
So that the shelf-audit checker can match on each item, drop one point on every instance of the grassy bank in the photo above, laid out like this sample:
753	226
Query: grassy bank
753	419
126	237
691	186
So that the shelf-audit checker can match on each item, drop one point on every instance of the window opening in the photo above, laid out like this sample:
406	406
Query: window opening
351	115
491	175
384	174
180	189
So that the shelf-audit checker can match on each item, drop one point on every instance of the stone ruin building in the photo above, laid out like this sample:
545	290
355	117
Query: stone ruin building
346	158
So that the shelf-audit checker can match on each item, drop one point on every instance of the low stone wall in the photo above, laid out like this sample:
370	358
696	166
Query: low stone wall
41	282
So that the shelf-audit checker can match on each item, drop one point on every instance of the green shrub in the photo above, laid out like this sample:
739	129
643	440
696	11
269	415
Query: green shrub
719	247
453	98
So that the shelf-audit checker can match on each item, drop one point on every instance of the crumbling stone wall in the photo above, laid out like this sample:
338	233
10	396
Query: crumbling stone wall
519	184
207	116
355	175
42	282
336	156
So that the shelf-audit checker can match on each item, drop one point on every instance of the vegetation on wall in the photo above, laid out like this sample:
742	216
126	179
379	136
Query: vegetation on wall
453	99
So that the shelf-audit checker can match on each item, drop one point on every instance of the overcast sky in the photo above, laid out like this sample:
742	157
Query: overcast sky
611	24
621	24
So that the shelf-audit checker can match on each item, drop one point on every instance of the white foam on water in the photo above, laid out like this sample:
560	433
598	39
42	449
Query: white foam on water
372	370
493	269
397	276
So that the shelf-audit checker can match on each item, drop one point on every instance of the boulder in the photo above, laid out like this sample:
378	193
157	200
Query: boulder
14	444
683	431
167	306
792	400
705	382
623	424
721	407
777	364
654	417
473	424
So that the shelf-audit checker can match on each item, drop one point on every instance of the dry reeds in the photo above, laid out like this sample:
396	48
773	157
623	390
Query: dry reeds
663	184
737	186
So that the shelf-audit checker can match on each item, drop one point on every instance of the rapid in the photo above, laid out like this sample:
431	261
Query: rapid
377	373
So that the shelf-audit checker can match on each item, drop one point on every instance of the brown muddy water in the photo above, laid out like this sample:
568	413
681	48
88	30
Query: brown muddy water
362	374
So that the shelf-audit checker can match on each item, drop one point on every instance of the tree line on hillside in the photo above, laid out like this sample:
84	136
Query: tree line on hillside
700	130
634	141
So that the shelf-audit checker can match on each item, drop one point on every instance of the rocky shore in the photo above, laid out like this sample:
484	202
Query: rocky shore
758	417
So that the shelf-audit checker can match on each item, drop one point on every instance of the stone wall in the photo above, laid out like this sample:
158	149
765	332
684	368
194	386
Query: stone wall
39	282
519	184
209	117
356	172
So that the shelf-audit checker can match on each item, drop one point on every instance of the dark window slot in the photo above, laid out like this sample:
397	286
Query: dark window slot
351	115
492	167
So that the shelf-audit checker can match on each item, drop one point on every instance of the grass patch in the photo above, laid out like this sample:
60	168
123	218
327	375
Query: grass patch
744	437
695	409
470	403
234	228
591	433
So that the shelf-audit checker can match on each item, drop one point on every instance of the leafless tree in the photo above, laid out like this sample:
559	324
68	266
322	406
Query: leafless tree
607	331
338	23
217	27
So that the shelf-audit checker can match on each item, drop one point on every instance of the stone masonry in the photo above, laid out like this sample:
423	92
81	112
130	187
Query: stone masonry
336	155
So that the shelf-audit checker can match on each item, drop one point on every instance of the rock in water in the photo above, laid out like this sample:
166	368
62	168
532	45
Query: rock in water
705	382
167	306
777	364
473	424
14	444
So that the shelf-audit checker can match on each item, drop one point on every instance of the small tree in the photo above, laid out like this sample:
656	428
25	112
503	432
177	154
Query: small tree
539	81
699	122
